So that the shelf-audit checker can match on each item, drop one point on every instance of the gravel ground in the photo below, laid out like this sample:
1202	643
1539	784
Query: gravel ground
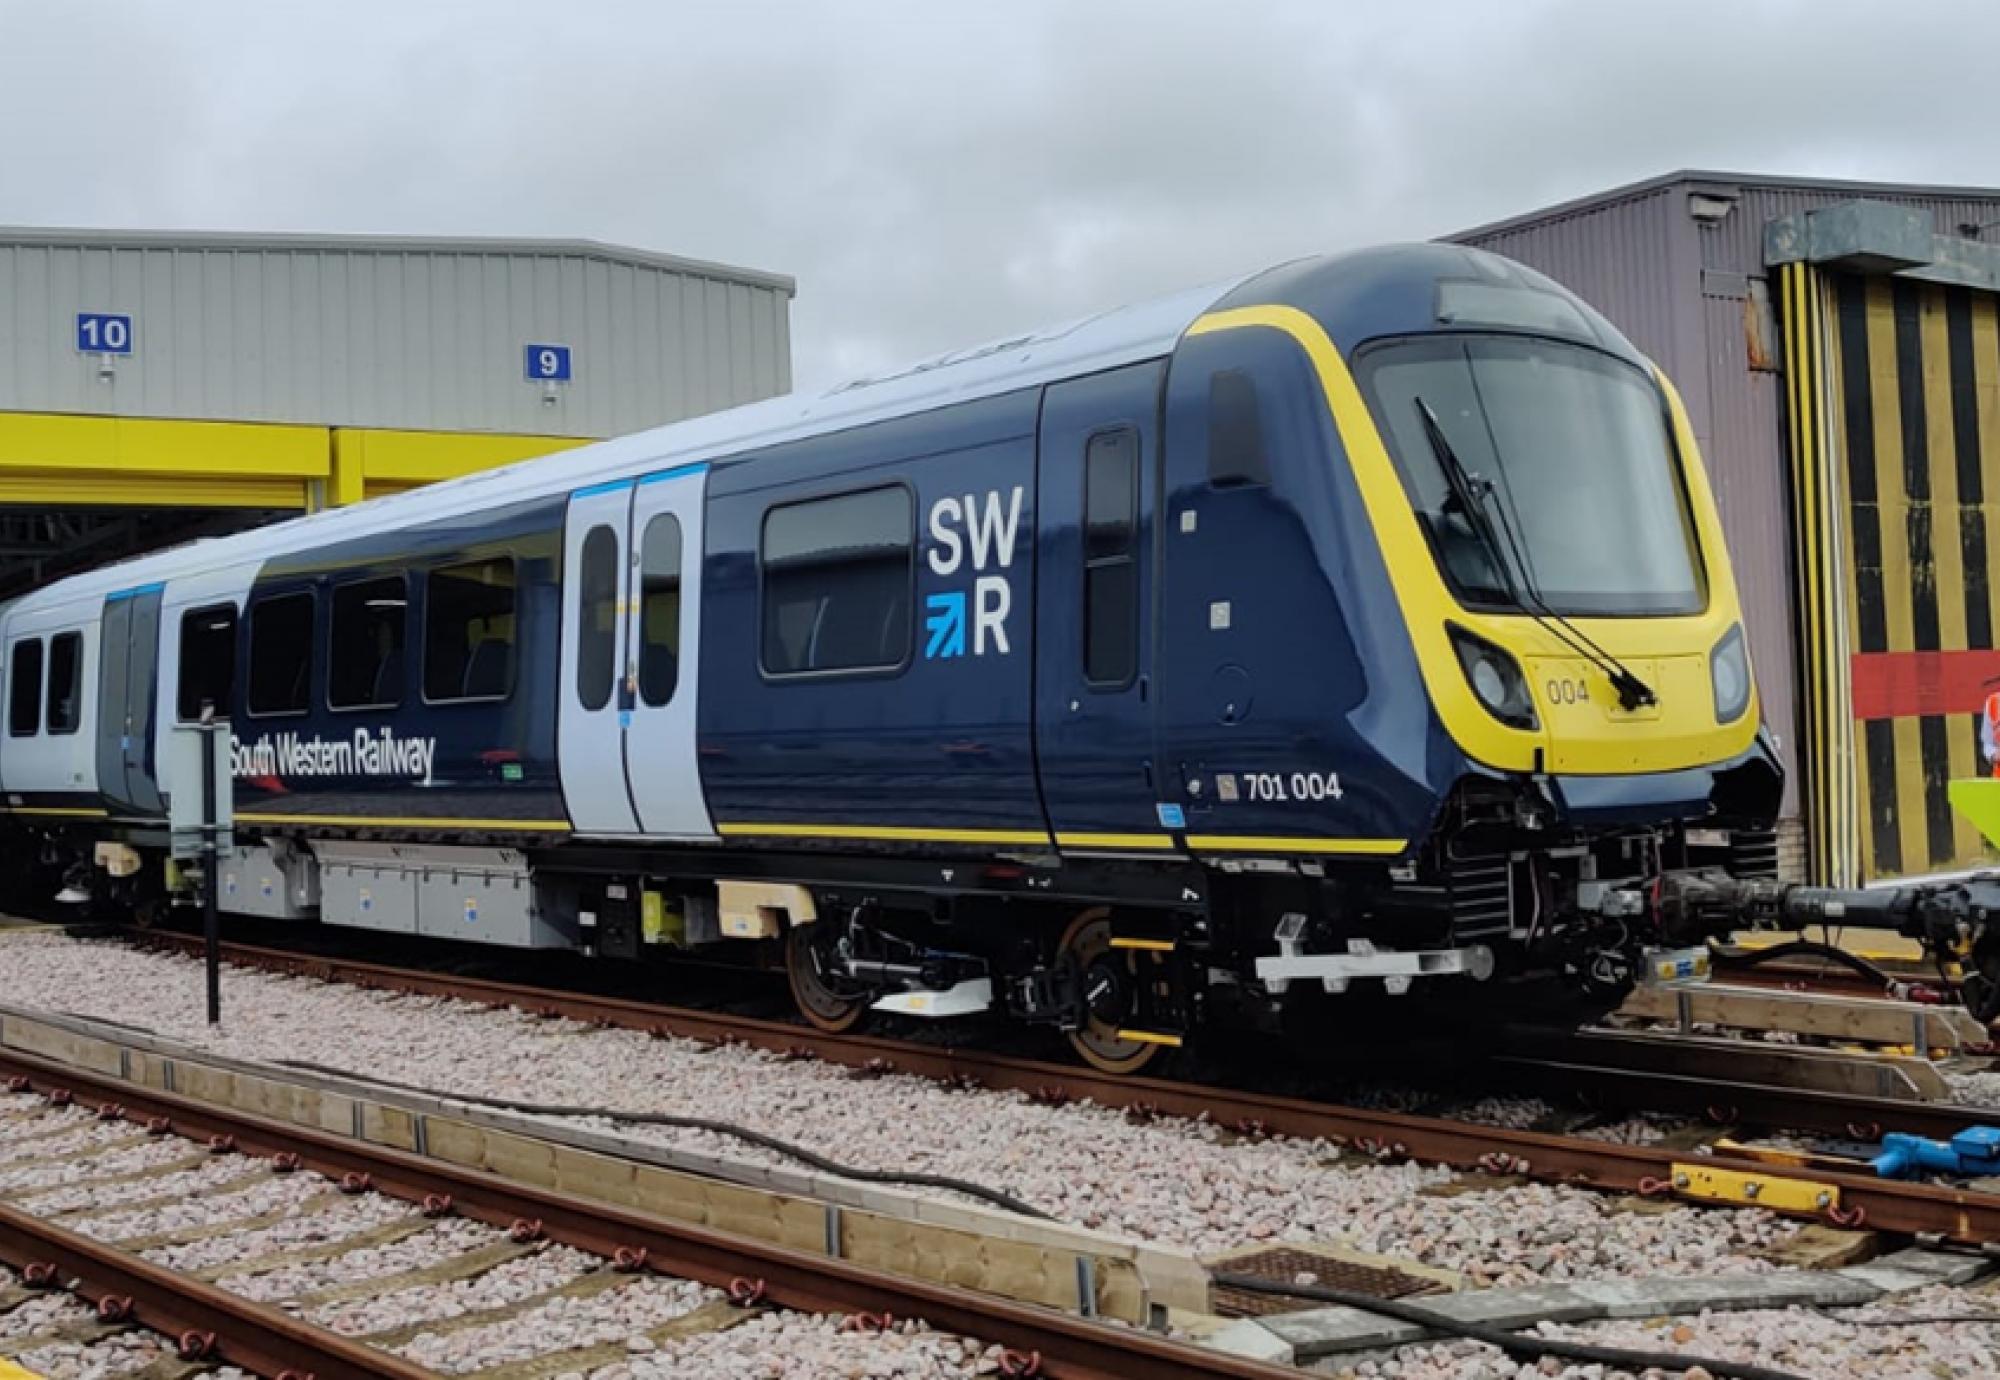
799	1346
119	1354
496	1288
42	1312
448	1237
1187	1184
210	1177
284	1193
563	1324
350	1217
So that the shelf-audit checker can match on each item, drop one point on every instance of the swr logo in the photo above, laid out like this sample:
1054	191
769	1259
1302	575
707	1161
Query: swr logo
989	529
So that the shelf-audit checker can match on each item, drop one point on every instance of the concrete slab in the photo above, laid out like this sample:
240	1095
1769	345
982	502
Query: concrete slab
1916	1268
1516	1308
1321	1331
1655	1298
1250	1338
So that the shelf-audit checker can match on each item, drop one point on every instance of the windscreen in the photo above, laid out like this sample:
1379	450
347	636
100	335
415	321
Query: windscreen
1570	464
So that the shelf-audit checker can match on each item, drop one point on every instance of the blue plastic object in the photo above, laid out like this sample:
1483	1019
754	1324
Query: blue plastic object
1973	1151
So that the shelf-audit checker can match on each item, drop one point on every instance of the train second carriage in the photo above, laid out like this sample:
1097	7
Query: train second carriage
1363	622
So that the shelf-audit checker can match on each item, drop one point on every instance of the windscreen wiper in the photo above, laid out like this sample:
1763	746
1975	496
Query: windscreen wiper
1474	497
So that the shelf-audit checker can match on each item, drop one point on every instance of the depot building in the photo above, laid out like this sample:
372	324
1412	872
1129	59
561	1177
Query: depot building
1838	348
160	387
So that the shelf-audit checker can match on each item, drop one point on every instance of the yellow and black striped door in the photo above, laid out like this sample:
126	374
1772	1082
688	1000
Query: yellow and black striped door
1917	415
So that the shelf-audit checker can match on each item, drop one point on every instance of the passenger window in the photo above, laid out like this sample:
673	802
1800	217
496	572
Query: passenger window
469	619
24	690
65	682
1110	564
837	578
660	610
365	646
597	618
208	662
281	647
1236	453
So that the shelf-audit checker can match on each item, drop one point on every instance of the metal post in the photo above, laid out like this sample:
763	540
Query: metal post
211	865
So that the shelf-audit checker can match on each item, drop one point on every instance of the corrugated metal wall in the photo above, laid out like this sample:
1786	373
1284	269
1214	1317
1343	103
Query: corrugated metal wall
401	337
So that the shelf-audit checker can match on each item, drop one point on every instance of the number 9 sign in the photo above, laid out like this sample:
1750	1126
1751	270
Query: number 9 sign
548	364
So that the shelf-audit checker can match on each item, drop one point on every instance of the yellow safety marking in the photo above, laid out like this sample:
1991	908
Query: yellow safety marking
1709	1184
64	811
11	1371
883	833
1685	734
1163	946
1264	843
1150	1037
1146	841
397	822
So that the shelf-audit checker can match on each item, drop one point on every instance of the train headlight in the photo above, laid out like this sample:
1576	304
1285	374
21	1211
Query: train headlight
1496	680
1729	673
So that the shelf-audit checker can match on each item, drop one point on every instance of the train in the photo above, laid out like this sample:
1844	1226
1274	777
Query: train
1363	624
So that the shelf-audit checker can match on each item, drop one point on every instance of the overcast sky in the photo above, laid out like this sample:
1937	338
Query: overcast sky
937	173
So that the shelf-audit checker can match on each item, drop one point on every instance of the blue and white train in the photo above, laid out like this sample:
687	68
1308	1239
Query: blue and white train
1361	621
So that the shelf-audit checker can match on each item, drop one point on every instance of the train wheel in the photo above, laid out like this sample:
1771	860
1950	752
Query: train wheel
1108	992
823	998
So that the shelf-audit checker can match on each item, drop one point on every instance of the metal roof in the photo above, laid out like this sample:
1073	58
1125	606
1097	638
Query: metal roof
226	240
1722	180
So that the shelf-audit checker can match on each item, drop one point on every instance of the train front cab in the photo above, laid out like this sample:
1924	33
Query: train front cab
1572	680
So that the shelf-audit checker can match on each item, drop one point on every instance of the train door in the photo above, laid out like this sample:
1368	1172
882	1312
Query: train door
128	672
590	745
631	634
1097	496
663	638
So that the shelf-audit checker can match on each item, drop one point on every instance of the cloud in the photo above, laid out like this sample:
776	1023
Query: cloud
935	175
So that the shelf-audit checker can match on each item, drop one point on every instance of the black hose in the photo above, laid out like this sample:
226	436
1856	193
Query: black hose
1514	1344
1726	957
1005	1201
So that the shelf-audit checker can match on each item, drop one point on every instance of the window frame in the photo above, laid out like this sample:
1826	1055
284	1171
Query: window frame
680	608
247	633
1130	556
401	578
75	724
222	711
14	730
583	613
884	671
513	563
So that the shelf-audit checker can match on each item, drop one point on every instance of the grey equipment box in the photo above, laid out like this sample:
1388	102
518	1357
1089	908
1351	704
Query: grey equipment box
274	881
488	896
370	886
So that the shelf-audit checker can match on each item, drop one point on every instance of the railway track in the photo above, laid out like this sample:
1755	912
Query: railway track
1719	1176
196	1283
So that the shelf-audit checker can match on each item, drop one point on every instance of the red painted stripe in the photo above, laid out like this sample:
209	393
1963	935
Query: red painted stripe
1895	685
